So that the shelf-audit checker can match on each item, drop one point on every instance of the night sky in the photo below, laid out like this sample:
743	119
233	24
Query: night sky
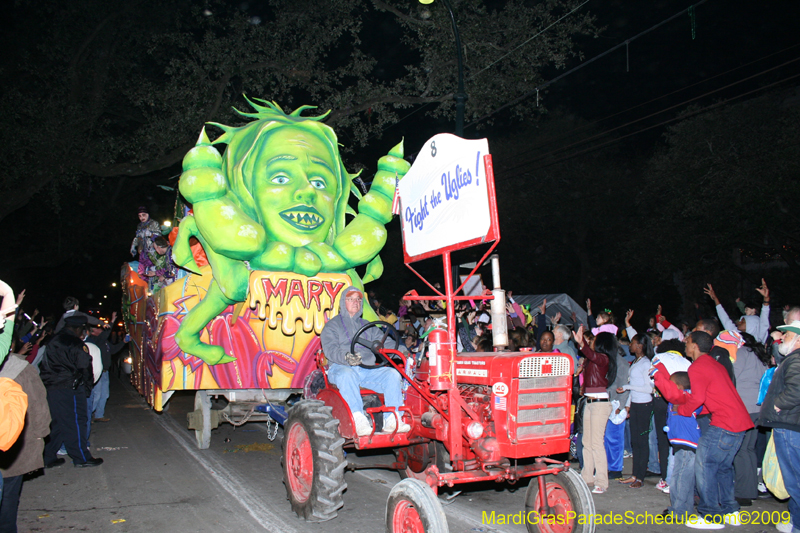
688	60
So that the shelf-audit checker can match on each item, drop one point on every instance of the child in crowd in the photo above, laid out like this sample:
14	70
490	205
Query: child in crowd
683	433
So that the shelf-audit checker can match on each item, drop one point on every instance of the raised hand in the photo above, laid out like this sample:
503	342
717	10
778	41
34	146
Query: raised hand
556	318
764	290
578	336
543	307
713	295
628	316
588	306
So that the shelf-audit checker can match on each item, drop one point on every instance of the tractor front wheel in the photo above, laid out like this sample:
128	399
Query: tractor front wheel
313	461
566	493
413	507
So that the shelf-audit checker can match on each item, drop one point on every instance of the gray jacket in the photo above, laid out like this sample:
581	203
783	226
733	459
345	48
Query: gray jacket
338	333
748	369
623	373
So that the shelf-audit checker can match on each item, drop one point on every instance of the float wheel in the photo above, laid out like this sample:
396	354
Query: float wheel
202	435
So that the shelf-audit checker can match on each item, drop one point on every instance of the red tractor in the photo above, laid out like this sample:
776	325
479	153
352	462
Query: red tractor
497	417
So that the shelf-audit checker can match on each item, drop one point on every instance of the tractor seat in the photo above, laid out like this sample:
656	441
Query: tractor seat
364	391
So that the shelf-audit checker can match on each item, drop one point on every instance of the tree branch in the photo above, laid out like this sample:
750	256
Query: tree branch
363	106
136	169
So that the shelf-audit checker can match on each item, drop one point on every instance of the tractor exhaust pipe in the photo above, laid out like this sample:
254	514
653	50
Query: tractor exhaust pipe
499	325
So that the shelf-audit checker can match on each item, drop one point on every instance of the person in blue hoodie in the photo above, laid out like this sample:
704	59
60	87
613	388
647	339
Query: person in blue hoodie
345	370
683	433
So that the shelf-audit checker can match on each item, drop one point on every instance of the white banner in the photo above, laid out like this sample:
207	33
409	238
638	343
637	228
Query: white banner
444	197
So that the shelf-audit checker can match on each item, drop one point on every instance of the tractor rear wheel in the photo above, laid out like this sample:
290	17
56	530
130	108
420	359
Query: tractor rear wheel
313	461
566	493
412	507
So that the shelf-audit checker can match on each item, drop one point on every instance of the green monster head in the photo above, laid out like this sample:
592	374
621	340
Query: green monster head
285	173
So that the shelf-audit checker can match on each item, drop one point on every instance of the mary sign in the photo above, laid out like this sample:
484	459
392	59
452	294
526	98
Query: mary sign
447	199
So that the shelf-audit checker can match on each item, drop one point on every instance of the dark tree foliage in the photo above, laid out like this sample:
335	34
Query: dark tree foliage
724	187
105	89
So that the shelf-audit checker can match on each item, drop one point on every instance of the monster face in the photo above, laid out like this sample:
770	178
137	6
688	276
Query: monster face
295	186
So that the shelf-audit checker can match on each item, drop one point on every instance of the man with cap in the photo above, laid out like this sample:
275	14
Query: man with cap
344	370
781	412
67	374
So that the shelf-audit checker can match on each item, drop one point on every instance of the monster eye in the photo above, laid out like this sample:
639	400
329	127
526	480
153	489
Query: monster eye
280	180
318	183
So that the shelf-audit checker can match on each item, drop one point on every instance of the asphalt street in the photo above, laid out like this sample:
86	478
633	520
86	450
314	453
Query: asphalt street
155	479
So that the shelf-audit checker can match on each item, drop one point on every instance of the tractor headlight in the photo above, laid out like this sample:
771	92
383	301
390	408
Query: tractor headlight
475	430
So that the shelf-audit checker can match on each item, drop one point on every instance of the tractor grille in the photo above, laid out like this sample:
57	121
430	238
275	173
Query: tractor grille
533	367
540	415
543	397
559	382
549	430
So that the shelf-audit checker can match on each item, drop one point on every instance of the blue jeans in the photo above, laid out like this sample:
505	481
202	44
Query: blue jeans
384	380
652	440
787	448
670	467
681	487
100	396
714	471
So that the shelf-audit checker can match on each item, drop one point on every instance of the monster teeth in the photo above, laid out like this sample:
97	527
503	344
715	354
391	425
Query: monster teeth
309	219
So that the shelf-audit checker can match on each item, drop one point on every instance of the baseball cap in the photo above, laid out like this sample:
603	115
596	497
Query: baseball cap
794	327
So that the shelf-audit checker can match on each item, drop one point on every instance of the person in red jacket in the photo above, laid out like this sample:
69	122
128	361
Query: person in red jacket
712	388
599	370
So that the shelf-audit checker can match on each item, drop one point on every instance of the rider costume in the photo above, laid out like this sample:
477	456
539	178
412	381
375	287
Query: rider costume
336	337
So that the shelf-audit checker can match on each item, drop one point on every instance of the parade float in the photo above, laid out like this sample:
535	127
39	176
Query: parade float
269	251
267	248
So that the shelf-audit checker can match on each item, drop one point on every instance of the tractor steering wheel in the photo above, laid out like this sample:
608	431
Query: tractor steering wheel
375	346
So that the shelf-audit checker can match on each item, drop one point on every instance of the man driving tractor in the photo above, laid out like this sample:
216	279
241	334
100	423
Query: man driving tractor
345	371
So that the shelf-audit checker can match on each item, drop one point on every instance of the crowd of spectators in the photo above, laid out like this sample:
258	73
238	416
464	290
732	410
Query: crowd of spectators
683	402
693	405
53	385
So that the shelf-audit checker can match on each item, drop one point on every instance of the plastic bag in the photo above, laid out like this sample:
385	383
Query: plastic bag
766	379
617	419
771	472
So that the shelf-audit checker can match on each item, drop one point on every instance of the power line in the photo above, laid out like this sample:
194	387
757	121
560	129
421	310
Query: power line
473	76
582	65
590	124
583	141
487	67
684	117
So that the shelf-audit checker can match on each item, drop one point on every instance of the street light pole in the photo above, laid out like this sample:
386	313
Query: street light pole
461	96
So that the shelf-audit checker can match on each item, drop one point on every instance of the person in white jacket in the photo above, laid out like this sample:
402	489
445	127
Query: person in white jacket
757	326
